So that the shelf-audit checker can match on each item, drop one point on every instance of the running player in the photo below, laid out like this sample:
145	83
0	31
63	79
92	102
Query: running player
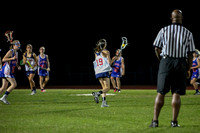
30	67
118	70
43	68
7	72
196	71
102	69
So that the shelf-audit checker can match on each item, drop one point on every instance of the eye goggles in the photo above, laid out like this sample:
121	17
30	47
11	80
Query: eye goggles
17	44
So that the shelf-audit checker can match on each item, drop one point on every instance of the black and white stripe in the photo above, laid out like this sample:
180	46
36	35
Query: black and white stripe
175	41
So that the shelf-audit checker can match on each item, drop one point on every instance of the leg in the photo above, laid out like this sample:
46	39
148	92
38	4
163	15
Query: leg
31	81
97	94
41	82
106	87
159	102
13	84
105	83
118	84
163	87
102	83
195	85
4	85
45	81
10	88
113	82
176	104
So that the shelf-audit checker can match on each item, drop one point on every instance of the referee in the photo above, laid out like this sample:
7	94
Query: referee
174	46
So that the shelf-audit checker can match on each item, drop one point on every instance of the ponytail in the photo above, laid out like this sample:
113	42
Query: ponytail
101	44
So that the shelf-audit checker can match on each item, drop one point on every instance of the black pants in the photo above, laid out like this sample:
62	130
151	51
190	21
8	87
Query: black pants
172	75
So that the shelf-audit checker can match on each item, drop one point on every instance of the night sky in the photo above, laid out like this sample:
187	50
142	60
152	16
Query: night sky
69	31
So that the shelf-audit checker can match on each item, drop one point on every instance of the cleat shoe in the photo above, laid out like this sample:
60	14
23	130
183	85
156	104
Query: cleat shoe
115	90
33	92
174	124
154	123
119	90
96	97
43	90
3	99
104	104
197	93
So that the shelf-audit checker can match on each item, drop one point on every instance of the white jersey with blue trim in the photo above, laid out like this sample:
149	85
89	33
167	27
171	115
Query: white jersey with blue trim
101	64
32	62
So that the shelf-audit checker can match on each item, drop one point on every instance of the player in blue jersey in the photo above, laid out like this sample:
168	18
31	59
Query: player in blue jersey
102	69
43	68
195	71
30	61
118	70
7	71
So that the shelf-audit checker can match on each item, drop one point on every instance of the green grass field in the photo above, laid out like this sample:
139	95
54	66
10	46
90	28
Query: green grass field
63	111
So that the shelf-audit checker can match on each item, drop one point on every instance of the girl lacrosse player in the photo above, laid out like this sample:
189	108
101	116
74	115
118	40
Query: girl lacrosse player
7	72
118	70
43	68
196	71
30	61
102	69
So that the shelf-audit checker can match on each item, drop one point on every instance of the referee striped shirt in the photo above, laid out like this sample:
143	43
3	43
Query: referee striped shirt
175	41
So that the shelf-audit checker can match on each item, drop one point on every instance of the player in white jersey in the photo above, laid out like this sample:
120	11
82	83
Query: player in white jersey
30	61
102	68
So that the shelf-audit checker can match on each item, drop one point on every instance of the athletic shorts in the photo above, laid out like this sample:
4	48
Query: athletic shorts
30	72
44	74
116	75
195	75
103	75
172	75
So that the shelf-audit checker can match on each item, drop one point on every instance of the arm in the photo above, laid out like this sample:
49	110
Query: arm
25	61
17	65
48	69
35	58
113	59
24	58
7	57
158	51
123	67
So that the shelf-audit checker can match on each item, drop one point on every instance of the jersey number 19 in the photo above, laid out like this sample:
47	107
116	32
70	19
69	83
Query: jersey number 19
99	62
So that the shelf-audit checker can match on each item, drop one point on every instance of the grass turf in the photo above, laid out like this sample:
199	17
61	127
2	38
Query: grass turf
61	111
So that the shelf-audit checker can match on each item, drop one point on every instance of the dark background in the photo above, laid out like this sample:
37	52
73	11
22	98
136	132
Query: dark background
70	30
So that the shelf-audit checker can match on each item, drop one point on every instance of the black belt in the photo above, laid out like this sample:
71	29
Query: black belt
166	56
